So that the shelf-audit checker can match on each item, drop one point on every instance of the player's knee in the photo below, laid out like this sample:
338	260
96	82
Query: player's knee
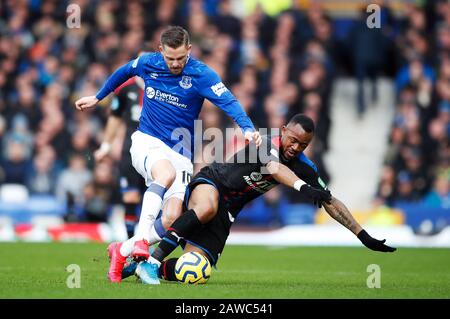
166	178
168	219
164	174
205	211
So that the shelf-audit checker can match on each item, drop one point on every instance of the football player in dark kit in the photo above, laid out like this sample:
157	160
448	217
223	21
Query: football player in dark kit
125	108
218	192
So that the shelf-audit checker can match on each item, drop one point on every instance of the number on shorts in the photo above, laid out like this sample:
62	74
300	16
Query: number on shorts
186	177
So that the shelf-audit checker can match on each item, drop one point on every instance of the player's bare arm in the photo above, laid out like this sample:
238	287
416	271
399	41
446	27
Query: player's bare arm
112	127
336	209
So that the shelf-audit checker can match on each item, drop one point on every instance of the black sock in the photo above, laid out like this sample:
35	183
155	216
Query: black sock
130	218
167	269
181	228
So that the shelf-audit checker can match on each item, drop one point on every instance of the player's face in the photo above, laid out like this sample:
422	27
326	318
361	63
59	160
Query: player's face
175	58
294	140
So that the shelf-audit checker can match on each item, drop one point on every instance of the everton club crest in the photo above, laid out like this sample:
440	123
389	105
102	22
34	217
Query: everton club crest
186	82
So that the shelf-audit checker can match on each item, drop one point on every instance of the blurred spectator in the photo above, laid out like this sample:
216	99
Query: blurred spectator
414	73
43	173
100	194
439	196
386	188
14	165
368	51
20	133
226	22
405	188
70	184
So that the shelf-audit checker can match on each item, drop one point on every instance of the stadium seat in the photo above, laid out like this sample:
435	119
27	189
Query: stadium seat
258	213
298	214
417	213
36	205
18	212
13	193
46	205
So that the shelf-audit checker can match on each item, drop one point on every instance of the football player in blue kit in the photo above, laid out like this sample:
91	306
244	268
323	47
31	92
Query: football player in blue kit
176	85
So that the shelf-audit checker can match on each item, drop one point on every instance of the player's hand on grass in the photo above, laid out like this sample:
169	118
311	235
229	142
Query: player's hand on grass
317	195
86	102
253	136
374	244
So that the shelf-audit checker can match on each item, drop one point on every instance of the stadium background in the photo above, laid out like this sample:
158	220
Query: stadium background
380	99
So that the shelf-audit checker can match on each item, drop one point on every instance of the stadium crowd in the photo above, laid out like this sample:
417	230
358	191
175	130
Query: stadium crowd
417	162
277	62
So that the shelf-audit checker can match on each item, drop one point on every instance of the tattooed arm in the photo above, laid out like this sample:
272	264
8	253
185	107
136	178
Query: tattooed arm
340	212
336	209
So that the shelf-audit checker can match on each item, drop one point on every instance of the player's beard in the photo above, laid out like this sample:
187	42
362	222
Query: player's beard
176	71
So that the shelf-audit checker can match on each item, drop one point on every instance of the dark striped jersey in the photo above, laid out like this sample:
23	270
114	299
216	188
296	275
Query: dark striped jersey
127	105
244	176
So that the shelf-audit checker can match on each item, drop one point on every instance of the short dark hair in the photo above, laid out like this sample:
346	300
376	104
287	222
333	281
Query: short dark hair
174	37
305	122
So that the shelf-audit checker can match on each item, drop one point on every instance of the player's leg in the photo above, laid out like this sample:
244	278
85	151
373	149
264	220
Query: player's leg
151	205
131	200
172	209
132	186
151	160
163	174
209	240
202	207
174	197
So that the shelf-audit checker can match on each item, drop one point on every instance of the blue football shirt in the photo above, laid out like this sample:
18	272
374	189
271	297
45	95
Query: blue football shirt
173	102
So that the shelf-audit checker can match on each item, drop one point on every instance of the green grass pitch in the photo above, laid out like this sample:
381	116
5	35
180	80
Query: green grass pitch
38	270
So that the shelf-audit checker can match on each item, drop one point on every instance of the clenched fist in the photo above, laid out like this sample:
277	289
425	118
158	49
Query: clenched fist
86	102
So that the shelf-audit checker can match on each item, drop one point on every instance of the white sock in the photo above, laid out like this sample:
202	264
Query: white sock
151	205
154	237
157	231
127	246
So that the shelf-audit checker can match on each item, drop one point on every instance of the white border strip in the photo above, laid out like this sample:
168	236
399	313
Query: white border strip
331	235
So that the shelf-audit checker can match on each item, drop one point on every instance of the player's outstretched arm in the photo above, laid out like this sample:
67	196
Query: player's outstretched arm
284	175
119	76
336	209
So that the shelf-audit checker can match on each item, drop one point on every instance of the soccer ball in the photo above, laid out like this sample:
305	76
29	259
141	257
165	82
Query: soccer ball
192	268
